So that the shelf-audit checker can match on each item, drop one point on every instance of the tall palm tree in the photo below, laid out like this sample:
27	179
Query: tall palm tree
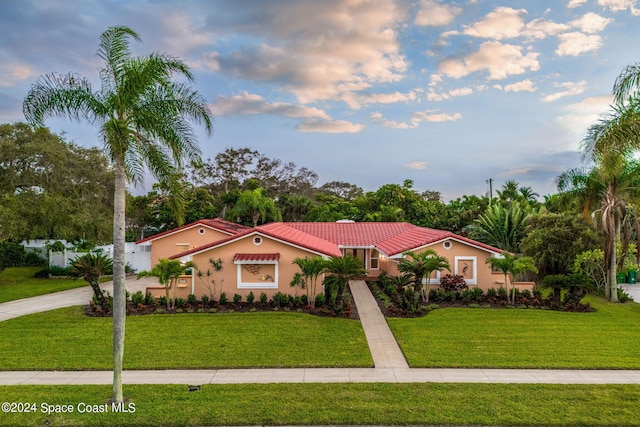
144	120
421	265
92	267
311	269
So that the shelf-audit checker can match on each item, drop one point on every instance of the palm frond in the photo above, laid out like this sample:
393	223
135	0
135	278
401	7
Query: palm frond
627	84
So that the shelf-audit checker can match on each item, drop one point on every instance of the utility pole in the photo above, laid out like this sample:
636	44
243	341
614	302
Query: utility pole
490	182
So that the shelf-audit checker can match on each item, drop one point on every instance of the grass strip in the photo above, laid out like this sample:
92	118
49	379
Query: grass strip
65	339
519	338
345	404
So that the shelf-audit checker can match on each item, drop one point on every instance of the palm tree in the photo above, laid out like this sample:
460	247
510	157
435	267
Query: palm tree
511	265
168	271
92	267
500	226
311	269
255	204
144	120
421	265
342	269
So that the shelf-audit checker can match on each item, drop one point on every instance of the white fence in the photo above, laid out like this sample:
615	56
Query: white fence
138	260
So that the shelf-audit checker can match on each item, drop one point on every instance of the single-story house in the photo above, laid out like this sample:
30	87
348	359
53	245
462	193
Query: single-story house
260	259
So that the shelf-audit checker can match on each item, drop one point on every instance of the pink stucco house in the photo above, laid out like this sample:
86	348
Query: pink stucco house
260	259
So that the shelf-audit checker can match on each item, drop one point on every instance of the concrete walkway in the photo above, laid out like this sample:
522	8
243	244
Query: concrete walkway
383	345
68	298
324	375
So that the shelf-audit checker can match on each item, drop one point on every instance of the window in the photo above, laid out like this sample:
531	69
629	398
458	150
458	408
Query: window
202	231
181	247
257	240
447	244
374	260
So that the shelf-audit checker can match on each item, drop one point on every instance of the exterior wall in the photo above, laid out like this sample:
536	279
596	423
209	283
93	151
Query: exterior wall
262	274
464	260
166	246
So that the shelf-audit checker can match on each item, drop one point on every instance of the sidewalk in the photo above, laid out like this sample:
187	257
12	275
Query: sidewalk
323	375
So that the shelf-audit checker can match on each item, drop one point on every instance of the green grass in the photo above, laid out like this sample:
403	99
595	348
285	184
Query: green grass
18	282
65	339
346	404
518	338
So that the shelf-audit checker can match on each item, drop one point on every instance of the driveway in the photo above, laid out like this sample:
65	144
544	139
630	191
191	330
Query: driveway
71	297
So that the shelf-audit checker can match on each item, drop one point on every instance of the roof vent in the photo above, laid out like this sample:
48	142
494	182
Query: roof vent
345	221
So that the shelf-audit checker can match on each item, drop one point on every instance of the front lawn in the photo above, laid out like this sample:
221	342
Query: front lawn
66	339
523	338
335	404
18	282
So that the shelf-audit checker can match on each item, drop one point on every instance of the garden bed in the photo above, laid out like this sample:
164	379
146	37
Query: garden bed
393	301
139	304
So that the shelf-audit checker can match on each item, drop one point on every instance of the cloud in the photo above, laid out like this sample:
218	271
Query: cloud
540	29
434	116
499	60
416	118
619	5
575	3
357	101
522	86
340	47
581	115
570	88
463	91
12	73
435	14
249	104
574	43
328	126
501	23
416	165
591	23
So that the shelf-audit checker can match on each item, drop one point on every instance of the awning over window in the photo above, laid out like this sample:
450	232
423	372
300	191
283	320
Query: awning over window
256	257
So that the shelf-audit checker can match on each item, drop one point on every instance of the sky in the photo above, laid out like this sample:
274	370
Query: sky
448	94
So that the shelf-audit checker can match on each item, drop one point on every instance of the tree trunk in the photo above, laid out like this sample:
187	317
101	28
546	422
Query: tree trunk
612	291
119	290
99	295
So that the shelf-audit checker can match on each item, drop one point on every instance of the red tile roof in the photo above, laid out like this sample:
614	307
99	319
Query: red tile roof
256	257
226	227
327	238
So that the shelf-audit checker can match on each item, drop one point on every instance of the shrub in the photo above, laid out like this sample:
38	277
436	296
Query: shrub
60	271
502	293
623	296
180	302
492	293
223	298
478	294
467	295
42	274
251	297
149	299
33	259
305	300
12	254
137	298
451	283
237	298
263	298
320	300
281	300
205	300
191	299
162	301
